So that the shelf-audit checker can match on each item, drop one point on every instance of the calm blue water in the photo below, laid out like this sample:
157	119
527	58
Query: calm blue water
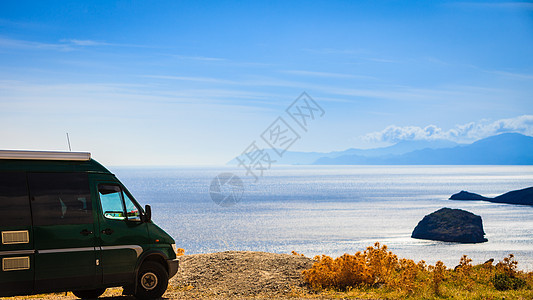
337	209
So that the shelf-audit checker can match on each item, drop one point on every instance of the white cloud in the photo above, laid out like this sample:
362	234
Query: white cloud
460	133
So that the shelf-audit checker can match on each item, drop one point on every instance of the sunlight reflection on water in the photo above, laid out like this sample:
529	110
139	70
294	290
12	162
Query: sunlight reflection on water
337	209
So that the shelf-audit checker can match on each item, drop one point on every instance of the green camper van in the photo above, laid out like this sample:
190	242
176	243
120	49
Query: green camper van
68	224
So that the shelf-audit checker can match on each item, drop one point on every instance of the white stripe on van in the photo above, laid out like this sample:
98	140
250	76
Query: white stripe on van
138	249
66	250
17	252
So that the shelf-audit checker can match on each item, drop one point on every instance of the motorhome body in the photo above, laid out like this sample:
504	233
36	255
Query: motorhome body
68	224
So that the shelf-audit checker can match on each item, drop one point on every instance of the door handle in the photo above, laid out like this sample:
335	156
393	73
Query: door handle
86	232
108	231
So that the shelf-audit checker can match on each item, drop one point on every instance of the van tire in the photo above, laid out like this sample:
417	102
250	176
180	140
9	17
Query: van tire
152	281
89	294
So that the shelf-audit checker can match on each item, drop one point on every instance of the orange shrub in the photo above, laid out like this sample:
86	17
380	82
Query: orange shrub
374	266
296	253
508	265
407	272
438	272
422	266
378	268
463	271
381	263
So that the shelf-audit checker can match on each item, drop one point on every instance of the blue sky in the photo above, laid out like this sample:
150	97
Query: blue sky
175	82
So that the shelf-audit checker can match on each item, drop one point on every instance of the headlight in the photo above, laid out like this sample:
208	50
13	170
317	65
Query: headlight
174	248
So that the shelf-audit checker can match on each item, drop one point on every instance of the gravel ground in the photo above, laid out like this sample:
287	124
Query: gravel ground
228	275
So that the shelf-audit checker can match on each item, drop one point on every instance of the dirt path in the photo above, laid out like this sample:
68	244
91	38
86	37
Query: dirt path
228	275
241	274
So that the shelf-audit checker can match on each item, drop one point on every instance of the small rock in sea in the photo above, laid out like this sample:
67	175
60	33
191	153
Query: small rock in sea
451	225
521	197
464	195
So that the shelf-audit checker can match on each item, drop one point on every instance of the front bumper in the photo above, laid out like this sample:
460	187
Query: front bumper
173	265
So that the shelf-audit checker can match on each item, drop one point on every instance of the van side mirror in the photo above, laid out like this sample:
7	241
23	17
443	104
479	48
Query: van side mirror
147	213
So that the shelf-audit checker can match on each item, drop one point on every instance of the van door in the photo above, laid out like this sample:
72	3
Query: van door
122	233
16	248
64	231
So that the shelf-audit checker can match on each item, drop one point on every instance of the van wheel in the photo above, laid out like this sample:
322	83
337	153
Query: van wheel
152	281
89	294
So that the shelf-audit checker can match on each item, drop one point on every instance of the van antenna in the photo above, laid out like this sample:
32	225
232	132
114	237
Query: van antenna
68	140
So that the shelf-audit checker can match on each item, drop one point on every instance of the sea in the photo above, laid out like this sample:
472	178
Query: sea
333	210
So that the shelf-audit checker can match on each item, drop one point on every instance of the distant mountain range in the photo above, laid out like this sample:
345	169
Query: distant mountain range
503	149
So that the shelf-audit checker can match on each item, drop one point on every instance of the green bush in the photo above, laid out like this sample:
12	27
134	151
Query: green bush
504	282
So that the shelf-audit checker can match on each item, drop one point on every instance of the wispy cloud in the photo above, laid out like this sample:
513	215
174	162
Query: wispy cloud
360	54
84	42
257	81
384	92
382	60
326	74
62	45
192	78
333	51
48	97
93	43
513	75
495	5
21	44
23	25
200	58
460	133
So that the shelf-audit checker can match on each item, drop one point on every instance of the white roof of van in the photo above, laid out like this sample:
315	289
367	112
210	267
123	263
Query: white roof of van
44	155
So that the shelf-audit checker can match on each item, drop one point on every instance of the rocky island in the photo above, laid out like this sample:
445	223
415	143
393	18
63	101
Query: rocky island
451	225
522	197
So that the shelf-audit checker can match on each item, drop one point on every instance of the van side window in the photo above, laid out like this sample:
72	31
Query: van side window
14	200
60	198
111	199
116	204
